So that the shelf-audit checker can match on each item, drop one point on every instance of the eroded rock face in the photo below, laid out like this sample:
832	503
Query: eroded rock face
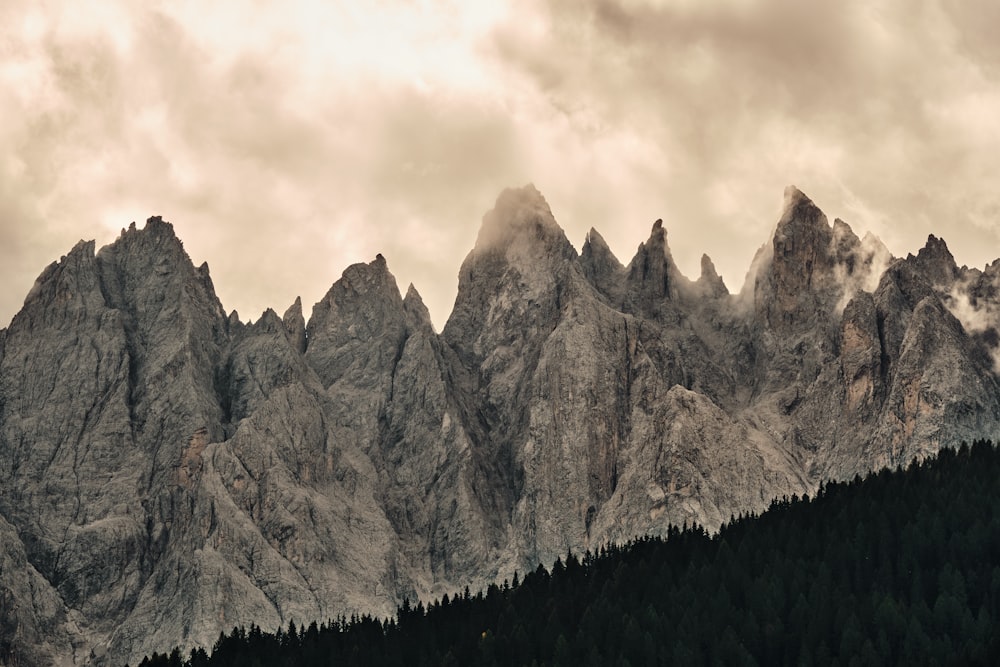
168	472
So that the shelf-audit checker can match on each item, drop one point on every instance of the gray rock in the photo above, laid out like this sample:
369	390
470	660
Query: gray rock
602	268
168	471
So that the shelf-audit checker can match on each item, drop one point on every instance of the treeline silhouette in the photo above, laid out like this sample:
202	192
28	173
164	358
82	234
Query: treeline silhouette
902	567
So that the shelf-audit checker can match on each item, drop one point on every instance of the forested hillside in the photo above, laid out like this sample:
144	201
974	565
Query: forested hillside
900	568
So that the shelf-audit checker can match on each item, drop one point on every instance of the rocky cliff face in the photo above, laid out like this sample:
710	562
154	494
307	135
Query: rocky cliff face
167	471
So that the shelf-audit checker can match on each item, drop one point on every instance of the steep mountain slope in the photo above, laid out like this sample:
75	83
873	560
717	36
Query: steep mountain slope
167	472
896	569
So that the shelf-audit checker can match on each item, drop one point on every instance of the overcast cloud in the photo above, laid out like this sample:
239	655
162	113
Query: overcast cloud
286	141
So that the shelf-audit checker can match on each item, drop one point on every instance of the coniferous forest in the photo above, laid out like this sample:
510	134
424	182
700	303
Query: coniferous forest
900	568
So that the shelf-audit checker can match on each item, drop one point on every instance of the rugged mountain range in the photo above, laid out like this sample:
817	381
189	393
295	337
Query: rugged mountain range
167	471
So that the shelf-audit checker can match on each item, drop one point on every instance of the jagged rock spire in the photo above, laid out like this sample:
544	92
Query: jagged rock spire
363	306
652	277
710	282
601	267
936	262
417	315
295	325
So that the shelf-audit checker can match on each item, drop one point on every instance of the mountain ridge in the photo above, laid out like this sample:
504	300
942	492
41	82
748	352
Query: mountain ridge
170	471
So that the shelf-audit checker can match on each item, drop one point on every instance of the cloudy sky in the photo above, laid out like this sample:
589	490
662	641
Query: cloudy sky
287	140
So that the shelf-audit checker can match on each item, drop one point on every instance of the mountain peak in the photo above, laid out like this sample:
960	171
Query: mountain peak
935	247
601	267
799	208
363	306
658	236
801	224
156	243
417	314
802	261
710	278
82	247
363	275
59	281
595	248
519	213
652	275
595	240
412	295
157	223
155	226
708	267
936	262
361	287
295	325
793	193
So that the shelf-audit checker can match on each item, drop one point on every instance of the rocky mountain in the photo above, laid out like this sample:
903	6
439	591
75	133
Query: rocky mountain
168	471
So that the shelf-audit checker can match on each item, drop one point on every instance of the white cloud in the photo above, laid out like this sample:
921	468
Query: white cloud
288	140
